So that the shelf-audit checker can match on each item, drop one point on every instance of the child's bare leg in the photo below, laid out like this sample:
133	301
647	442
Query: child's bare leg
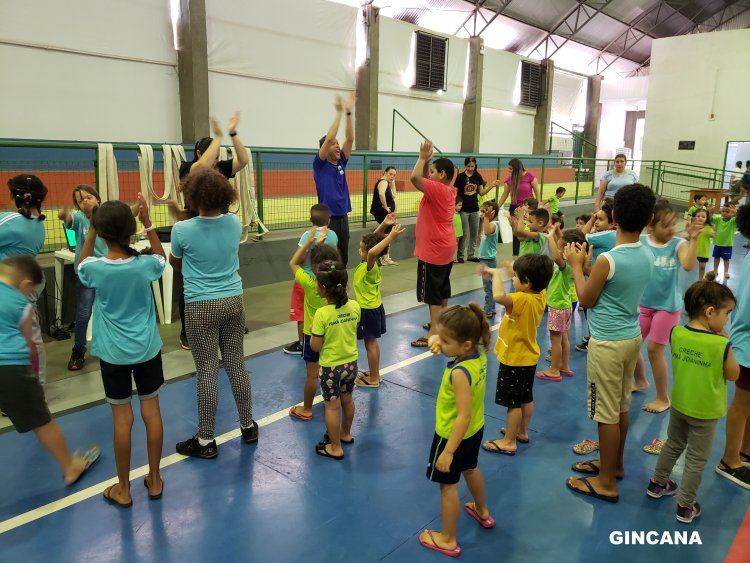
565	351
449	505
51	437
123	426
726	269
475	482
738	428
300	331
512	426
311	386
435	312
555	341
373	359
701	270
641	383
151	415
333	426
661	378
527	411
716	265
347	406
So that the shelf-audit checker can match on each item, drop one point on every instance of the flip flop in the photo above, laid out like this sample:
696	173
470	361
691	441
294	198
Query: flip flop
522	440
150	496
362	381
592	469
432	544
495	449
654	448
320	449
567	372
327	440
113	501
304	417
90	455
470	509
652	411
585	447
542	375
591	492
420	342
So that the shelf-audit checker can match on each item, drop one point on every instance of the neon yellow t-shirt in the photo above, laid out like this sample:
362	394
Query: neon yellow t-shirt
554	202
367	285
558	290
475	368
313	301
338	328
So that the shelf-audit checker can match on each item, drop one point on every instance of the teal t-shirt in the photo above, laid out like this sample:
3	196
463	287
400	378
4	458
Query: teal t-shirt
663	291
603	241
699	388
488	243
331	238
338	328
614	316
209	248
14	307
20	236
724	232
740	329
124	330
558	290
80	224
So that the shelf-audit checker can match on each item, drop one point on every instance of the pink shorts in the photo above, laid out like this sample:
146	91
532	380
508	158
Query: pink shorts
558	320
297	310
657	325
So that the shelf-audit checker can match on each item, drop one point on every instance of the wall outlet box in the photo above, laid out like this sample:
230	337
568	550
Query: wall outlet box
712	117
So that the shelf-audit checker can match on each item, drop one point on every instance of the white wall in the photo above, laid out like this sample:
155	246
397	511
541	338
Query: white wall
281	69
78	70
619	96
691	76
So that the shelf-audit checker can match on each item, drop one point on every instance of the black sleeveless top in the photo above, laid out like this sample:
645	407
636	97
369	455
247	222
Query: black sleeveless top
376	207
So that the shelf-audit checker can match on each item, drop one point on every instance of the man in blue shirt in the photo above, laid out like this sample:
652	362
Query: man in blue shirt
329	173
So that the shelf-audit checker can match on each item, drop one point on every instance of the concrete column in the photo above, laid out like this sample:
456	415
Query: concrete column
593	115
192	68
472	115
366	115
543	117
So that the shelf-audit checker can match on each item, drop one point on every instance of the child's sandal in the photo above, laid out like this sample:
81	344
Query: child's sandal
585	447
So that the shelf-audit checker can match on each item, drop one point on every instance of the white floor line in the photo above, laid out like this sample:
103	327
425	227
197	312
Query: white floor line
142	471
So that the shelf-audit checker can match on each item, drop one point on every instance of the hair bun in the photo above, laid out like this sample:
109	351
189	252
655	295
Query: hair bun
710	276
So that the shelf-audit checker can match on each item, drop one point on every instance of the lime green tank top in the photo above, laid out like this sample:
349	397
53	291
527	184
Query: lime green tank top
475	367
699	389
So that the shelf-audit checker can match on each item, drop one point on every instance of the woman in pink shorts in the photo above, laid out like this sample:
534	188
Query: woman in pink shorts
662	301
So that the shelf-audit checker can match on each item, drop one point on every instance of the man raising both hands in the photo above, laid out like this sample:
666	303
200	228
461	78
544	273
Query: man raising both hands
329	173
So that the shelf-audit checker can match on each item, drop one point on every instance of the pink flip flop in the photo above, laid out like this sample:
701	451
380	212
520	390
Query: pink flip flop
488	522
455	552
542	375
304	417
567	372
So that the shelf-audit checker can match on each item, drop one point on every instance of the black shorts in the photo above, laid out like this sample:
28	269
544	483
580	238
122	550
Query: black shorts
702	260
515	385
118	386
371	323
433	283
308	354
464	458
22	398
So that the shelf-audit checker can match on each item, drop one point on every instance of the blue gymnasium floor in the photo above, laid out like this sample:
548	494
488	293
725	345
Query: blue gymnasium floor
278	501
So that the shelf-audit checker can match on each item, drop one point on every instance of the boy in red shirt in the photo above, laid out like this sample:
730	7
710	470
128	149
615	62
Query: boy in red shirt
435	239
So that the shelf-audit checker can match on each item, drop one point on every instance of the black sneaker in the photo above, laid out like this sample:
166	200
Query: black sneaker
184	342
583	346
193	448
739	475
459	261
76	361
250	435
473	259
686	514
293	348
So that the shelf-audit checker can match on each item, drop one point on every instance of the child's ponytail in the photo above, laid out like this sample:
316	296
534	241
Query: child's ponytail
484	326
333	278
467	322
28	192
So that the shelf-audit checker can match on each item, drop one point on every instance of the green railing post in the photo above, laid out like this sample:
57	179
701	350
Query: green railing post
259	184
365	183
578	179
541	182
96	168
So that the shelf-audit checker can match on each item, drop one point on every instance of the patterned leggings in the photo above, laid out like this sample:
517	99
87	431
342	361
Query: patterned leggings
213	325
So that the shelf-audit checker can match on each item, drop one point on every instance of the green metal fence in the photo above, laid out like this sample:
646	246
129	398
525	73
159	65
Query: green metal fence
284	184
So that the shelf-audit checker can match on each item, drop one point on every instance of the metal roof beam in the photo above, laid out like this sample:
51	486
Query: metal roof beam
498	11
588	9
473	14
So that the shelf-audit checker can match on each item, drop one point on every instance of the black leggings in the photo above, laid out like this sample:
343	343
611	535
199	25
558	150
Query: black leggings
516	242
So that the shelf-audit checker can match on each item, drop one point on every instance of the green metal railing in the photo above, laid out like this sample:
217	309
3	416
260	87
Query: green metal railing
563	140
285	189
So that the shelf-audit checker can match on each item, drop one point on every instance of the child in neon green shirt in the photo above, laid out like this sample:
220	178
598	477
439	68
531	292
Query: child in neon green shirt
724	239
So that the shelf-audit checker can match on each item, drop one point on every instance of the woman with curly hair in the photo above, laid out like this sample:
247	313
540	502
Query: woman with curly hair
205	248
